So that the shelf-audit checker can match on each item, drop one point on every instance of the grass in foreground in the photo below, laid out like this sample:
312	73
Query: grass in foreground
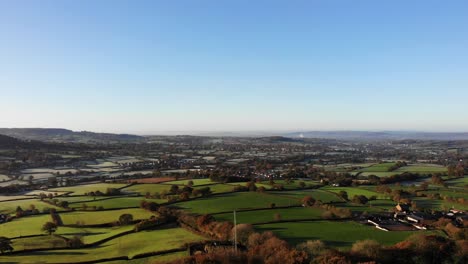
336	234
129	245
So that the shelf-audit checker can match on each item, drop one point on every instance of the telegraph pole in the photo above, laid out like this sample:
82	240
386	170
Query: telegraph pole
235	231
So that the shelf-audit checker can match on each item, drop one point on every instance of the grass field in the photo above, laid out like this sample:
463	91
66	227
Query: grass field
371	207
119	202
269	215
380	167
91	235
24	226
153	260
235	201
293	185
378	173
195	182
353	191
9	207
218	188
433	204
317	194
421	168
80	199
12	197
264	184
346	167
336	234
152	180
102	217
130	245
459	182
142	189
455	193
82	189
45	241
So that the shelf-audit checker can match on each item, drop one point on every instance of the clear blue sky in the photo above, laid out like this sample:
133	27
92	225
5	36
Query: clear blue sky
148	66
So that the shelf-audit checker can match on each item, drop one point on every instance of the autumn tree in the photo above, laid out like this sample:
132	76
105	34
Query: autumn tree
308	200
367	248
125	219
344	195
5	244
49	227
312	247
243	233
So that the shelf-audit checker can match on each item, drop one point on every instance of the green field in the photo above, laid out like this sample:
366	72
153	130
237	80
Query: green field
24	226
378	173
12	197
9	207
164	258
91	235
102	217
130	245
119	202
336	234
454	193
433	204
218	188
265	185
196	182
317	194
422	168
235	201
292	185
82	189
459	182
353	191
144	188
371	207
262	216
80	199
380	167
38	242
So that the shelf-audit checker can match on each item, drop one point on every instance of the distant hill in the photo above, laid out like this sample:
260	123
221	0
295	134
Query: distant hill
6	141
379	135
65	135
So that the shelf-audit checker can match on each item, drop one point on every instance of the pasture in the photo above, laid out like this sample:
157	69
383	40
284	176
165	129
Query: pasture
82	189
130	245
353	191
262	216
151	188
196	182
333	233
118	202
422	168
234	201
102	217
317	194
380	167
458	182
9	207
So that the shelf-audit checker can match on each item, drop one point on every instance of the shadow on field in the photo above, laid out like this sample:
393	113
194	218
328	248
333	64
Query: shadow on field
82	234
48	253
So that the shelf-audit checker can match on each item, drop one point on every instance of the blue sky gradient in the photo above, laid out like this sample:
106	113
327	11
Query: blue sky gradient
152	66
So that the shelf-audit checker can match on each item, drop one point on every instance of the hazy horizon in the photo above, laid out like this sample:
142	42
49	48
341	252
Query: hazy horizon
239	132
209	66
